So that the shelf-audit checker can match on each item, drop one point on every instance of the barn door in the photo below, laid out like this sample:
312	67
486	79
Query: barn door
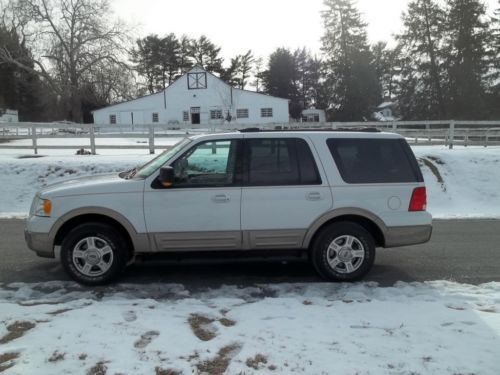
195	115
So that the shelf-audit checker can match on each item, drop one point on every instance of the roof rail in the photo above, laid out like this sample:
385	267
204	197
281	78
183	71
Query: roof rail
258	130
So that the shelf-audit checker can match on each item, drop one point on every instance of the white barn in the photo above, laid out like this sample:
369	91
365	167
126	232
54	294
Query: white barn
200	99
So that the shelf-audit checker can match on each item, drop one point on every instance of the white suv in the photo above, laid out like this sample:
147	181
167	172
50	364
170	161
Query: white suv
335	195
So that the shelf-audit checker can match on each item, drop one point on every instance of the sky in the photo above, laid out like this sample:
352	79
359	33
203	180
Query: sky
259	25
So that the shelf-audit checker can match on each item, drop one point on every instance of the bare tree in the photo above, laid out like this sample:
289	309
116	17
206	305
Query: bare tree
69	39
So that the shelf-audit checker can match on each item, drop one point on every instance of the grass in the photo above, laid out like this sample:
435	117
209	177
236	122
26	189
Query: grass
16	330
57	356
219	364
99	368
160	371
256	361
435	171
200	325
7	360
227	322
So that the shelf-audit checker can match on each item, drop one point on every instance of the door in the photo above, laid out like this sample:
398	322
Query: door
195	115
284	193
201	211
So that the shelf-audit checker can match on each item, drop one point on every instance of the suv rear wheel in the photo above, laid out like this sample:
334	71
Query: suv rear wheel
343	251
94	253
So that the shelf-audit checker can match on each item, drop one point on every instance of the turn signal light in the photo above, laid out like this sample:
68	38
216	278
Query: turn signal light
418	201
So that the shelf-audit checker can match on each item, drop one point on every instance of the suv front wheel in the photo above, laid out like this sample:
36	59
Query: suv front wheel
343	251
94	253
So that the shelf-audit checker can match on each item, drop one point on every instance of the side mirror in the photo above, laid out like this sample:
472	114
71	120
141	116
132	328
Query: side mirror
166	176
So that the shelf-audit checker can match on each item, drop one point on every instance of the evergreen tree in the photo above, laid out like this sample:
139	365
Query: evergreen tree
468	58
386	67
185	62
246	63
148	63
493	93
19	89
206	54
423	75
279	78
258	74
169	56
349	69
230	75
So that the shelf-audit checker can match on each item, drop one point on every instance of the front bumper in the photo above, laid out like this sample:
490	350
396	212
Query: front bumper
40	243
409	235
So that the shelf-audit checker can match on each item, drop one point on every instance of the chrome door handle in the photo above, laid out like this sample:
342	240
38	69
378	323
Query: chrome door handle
221	198
314	196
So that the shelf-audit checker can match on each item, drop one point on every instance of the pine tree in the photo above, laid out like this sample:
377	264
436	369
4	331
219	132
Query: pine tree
20	89
206	54
493	93
247	61
386	67
468	57
421	92
279	78
169	59
350	73
147	61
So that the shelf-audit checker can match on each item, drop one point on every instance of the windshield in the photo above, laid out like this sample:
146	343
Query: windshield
147	169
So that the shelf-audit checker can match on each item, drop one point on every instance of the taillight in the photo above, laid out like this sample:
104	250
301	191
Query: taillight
418	201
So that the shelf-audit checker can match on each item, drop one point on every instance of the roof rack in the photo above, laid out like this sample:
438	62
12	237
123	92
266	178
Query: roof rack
363	130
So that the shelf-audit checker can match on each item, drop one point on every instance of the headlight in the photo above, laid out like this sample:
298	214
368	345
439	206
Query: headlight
42	207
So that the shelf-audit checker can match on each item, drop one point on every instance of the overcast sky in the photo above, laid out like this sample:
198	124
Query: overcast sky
259	25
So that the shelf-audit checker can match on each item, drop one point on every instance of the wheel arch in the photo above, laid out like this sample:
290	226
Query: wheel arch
366	219
138	242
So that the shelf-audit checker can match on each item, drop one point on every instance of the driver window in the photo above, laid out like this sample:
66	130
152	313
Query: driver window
207	164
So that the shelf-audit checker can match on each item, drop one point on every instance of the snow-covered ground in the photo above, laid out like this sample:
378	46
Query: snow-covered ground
462	183
431	328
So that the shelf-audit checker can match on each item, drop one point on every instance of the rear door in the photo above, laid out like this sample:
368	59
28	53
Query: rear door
284	191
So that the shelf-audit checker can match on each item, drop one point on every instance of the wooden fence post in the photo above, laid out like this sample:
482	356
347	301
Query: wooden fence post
151	139
451	138
92	139
33	138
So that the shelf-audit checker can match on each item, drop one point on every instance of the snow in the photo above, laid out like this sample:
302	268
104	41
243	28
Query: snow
469	188
470	181
319	328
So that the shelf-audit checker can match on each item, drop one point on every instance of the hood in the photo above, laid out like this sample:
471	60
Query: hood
97	184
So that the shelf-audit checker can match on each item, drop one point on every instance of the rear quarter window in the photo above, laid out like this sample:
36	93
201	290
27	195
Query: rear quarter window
368	161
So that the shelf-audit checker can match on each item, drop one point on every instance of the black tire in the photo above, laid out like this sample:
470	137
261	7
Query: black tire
105	239
323	258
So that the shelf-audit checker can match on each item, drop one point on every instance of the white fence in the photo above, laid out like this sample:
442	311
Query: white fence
448	133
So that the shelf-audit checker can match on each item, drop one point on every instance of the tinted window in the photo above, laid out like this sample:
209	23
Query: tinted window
374	160
279	161
207	164
309	174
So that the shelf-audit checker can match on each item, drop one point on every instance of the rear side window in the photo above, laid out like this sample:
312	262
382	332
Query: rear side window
280	161
368	161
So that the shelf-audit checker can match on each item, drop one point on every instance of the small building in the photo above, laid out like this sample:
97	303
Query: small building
198	98
385	111
313	115
9	115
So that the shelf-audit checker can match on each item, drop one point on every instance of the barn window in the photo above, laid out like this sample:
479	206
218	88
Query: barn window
185	116
266	112
112	119
155	117
215	114
197	81
242	113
